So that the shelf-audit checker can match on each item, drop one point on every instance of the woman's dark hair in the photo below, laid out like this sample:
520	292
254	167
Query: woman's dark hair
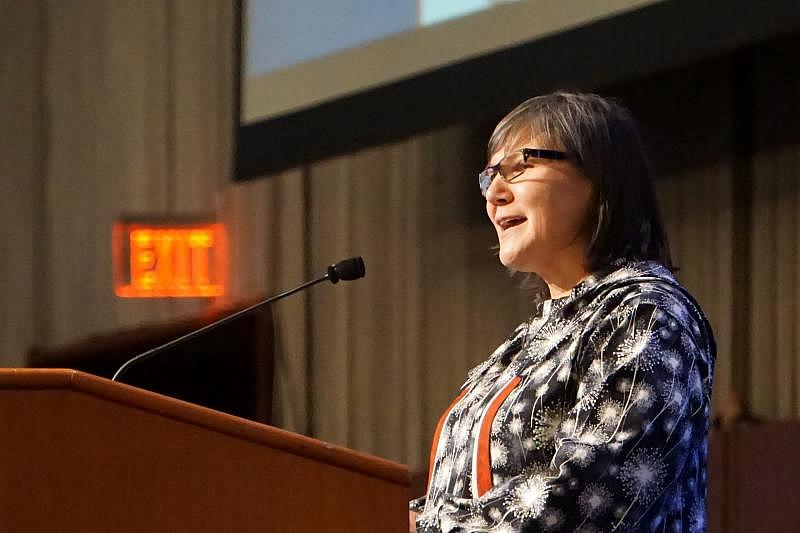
601	137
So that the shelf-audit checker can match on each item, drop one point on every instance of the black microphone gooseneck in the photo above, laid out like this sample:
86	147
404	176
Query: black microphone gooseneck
347	270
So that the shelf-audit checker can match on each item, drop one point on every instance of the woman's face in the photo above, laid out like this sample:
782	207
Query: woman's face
540	216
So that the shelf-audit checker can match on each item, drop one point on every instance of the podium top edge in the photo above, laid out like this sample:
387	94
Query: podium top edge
234	426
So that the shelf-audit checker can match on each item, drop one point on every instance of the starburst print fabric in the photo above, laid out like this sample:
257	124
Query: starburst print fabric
591	417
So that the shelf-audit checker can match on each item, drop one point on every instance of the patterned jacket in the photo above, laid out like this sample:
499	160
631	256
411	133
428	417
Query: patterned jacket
593	416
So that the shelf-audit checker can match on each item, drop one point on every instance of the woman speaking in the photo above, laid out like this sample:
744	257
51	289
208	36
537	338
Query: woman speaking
593	415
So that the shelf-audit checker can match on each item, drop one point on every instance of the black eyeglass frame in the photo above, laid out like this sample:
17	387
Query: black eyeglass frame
486	177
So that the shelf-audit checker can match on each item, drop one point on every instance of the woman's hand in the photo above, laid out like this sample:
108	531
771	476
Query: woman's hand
412	522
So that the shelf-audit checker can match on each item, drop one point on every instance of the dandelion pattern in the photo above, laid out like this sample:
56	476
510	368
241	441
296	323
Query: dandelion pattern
528	497
608	413
643	475
597	416
544	425
594	500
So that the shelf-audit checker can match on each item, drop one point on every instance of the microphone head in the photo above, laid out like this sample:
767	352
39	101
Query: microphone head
347	270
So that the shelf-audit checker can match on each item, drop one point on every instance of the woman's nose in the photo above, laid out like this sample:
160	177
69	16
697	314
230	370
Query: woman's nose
499	192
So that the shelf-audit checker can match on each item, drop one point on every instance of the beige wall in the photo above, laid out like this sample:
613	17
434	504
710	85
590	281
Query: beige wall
124	108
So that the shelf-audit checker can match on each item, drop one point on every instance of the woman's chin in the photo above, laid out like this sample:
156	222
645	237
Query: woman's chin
511	260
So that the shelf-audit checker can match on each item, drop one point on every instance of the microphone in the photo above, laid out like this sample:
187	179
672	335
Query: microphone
346	270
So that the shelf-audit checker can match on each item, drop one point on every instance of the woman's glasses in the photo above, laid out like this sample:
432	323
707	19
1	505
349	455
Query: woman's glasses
514	164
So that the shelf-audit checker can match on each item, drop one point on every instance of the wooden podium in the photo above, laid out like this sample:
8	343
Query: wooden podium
80	453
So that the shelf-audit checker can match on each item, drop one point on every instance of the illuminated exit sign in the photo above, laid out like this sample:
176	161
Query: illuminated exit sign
169	260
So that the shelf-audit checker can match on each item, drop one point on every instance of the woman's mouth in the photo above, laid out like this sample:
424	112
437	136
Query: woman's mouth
510	222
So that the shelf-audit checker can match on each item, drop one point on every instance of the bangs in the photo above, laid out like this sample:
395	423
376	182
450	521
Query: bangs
524	123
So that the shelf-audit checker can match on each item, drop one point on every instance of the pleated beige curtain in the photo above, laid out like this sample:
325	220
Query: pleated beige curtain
773	370
688	119
732	212
109	108
124	107
21	113
370	364
731	208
